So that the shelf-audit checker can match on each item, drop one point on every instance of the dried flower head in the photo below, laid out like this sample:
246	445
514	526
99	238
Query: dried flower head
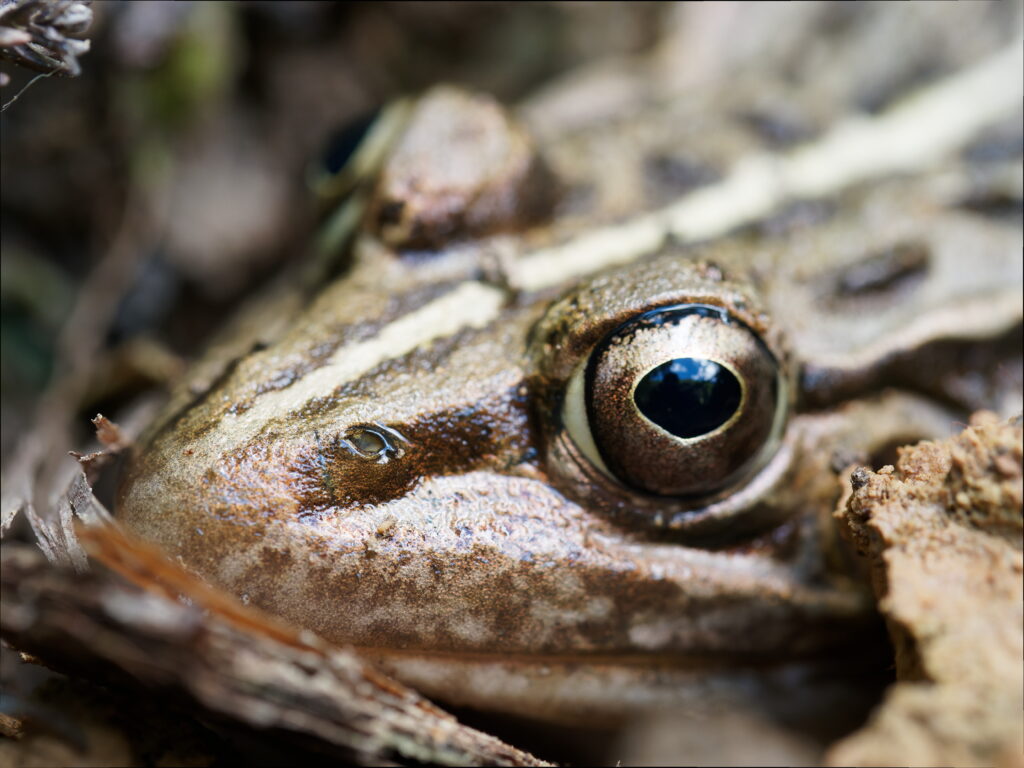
45	35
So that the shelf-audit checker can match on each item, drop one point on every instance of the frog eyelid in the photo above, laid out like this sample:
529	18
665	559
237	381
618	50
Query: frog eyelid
576	421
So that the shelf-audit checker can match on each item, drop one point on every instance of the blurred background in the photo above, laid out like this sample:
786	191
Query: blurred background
143	198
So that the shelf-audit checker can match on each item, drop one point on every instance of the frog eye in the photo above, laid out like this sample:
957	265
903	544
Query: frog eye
683	400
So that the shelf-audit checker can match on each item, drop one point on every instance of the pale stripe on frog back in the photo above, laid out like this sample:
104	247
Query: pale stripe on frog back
470	305
854	150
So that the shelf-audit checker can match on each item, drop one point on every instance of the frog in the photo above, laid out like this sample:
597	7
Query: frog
559	430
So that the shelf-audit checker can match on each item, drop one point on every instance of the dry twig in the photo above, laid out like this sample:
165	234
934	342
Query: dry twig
235	667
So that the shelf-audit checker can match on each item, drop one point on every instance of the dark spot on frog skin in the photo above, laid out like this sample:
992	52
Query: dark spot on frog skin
800	214
669	176
995	204
777	130
504	603
895	269
791	218
879	95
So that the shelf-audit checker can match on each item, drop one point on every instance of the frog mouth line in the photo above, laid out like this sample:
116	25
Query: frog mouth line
826	696
860	644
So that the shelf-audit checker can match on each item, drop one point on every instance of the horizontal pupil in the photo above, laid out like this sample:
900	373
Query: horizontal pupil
688	396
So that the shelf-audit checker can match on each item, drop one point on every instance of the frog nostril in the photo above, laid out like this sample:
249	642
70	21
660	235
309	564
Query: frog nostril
375	443
367	441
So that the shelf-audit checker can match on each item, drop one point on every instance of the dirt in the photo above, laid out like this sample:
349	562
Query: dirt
942	531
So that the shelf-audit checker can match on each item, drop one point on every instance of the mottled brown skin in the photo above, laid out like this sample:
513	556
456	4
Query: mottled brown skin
492	537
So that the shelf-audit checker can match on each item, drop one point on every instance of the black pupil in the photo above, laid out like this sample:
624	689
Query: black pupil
344	142
688	397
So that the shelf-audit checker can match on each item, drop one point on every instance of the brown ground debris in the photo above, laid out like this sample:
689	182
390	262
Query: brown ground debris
943	535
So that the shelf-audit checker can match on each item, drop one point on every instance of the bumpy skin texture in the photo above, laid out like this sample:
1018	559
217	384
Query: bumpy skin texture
493	182
943	532
488	535
485	533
